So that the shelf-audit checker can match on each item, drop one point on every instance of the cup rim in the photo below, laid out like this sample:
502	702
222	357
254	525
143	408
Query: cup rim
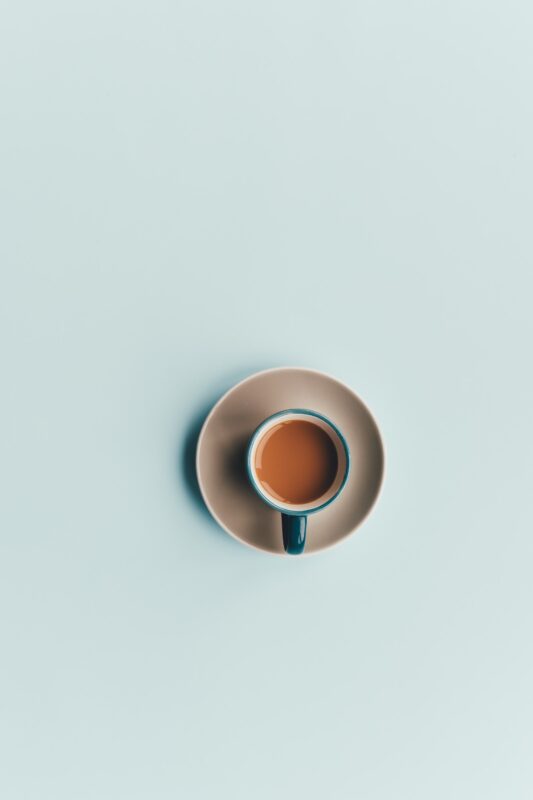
251	475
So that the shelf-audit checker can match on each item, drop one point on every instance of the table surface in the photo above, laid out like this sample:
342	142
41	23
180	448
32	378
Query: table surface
192	192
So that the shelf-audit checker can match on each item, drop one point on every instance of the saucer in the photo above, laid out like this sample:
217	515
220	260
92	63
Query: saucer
221	457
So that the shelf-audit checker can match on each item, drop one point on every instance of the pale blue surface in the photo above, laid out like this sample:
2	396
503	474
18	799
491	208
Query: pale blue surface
193	191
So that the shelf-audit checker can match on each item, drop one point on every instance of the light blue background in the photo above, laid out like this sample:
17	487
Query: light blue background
192	191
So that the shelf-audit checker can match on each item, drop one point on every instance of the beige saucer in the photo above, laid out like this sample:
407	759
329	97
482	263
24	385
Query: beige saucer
221	457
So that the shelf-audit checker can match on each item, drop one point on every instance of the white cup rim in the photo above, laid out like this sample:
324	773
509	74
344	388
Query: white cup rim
286	508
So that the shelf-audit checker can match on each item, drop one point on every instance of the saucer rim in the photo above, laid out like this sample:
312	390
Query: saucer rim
214	409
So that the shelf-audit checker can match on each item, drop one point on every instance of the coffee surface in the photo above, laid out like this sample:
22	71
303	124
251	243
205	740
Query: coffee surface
296	462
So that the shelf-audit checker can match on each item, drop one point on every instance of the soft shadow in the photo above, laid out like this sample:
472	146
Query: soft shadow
187	448
187	457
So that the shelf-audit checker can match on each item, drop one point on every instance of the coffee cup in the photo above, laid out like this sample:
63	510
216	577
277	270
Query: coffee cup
298	463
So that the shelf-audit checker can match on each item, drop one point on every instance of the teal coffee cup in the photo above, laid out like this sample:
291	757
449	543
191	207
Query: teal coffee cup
298	463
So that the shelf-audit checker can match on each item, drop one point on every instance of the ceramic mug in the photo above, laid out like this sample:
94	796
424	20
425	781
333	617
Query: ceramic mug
294	516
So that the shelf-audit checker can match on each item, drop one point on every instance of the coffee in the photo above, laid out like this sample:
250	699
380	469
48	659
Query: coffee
296	462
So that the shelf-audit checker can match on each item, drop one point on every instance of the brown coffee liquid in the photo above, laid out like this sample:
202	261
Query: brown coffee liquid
296	462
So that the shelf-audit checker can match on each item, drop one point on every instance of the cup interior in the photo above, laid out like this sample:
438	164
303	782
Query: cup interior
336	437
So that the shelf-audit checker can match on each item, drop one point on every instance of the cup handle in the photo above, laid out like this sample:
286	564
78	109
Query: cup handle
294	528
